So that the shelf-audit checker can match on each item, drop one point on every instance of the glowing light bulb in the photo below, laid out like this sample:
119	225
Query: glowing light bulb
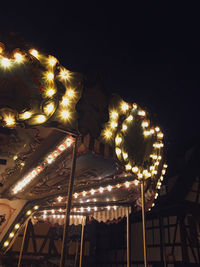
130	118
135	169
160	135
60	199
11	234
109	187
118	151
128	167
165	165
49	108
114	115
125	155
50	75
145	124
108	134
9	120
65	115
157	129
134	106
95	208
147	133
127	184
76	195
136	182
84	193
26	115
17	226
101	189
36	207
113	124
88	208
92	191
5	62
52	61
29	212
124	107
118	140
18	57
50	92
40	119
152	131
124	127
64	74
141	113
70	93
108	207
65	101
6	243
34	53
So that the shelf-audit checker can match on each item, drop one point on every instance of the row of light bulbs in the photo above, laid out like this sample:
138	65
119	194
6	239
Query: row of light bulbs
17	226
22	183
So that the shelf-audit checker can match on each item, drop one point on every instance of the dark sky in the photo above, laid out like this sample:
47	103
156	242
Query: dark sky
150	54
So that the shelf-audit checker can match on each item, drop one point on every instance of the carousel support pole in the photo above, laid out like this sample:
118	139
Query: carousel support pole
68	205
143	223
22	245
127	237
82	237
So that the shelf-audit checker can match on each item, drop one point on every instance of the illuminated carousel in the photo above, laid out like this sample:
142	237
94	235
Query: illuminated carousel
69	152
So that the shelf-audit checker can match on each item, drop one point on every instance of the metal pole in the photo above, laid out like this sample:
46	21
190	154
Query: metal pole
82	236
22	245
68	205
127	237
143	223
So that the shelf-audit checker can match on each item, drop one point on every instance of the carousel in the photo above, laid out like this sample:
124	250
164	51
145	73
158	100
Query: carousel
69	151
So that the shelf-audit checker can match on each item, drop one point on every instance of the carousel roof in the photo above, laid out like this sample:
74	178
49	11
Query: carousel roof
43	108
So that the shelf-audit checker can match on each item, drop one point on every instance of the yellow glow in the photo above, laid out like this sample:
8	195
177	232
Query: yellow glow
17	226
146	133
29	212
134	106
50	92
124	107
15	157
135	169
130	118
101	189
118	151
34	53
145	124
26	115
124	127
40	119
52	61
18	57
65	115
36	207
127	184
141	113
152	131
128	167
6	243
70	93
49	108
108	134
157	129
50	75
114	115
65	101
113	124
160	135
118	140
140	175
125	155
64	74
11	234
5	62
9	120
165	166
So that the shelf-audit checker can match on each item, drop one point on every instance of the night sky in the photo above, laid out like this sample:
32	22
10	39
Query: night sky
149	55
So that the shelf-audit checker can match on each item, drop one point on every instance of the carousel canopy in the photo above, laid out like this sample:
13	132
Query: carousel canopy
44	108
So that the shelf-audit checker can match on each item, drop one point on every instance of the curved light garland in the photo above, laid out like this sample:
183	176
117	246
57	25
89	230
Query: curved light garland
57	104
